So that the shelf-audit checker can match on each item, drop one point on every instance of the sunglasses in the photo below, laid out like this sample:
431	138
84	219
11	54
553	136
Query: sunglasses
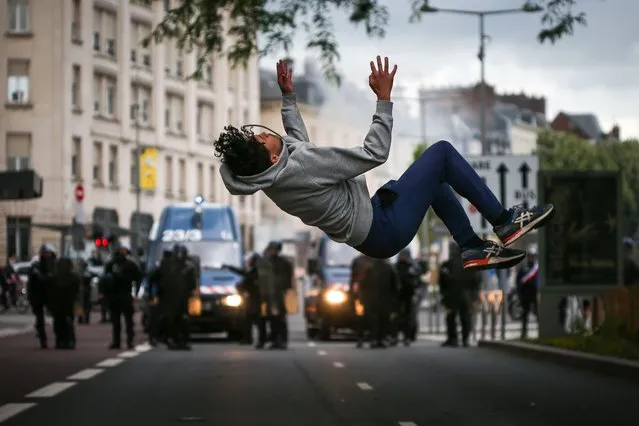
247	129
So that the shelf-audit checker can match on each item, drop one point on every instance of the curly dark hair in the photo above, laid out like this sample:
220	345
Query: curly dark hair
241	152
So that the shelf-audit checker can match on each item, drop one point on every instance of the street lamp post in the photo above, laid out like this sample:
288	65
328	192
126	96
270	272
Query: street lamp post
526	8
138	189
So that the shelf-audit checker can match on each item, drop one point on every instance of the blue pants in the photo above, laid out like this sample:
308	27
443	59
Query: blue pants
427	182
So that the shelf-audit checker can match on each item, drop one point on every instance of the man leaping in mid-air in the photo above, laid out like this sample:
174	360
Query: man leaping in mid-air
325	186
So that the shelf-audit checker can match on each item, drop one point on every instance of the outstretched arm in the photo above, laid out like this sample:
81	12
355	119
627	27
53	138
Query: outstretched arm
291	117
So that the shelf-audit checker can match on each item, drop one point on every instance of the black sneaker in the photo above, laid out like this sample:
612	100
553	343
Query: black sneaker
522	221
491	256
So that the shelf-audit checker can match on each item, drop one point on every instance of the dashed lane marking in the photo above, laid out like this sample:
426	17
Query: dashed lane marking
338	365
51	390
9	410
321	353
407	424
89	373
311	344
129	354
364	386
144	347
111	362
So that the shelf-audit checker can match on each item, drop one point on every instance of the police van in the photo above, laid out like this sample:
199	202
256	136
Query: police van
211	234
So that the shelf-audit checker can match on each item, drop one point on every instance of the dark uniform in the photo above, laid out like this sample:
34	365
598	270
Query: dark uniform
528	289
41	277
155	323
85	293
274	278
378	292
250	292
359	268
459	288
409	281
63	297
122	272
177	283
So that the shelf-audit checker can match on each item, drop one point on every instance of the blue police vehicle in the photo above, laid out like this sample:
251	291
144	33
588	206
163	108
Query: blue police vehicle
211	234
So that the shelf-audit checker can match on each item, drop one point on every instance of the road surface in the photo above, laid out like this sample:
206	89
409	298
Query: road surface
313	383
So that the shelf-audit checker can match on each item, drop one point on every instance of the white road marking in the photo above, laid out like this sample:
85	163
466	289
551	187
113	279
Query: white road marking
9	410
364	386
51	390
407	424
89	373
321	353
338	365
144	347
311	344
129	354
111	362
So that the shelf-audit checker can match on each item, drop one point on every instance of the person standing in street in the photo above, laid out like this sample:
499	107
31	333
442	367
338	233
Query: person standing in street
274	276
64	294
528	289
123	273
359	268
41	277
458	287
177	283
378	290
409	281
250	293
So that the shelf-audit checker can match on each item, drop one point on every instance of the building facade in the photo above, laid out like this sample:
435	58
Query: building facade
81	93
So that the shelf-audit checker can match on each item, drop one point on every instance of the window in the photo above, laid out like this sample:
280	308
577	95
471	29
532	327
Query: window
182	176
18	151
97	162
200	107
113	165
110	31
246	80
178	104
212	183
178	68
97	30
75	87
167	5
76	158
200	179
18	81
19	237
76	28
18	16
96	41
233	80
208	74
168	58
134	179
167	115
168	166
97	94
110	97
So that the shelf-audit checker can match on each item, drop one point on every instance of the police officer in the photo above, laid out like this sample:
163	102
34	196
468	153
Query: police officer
459	288
63	296
527	285
85	292
177	284
41	276
122	272
408	273
359	268
154	318
378	289
250	292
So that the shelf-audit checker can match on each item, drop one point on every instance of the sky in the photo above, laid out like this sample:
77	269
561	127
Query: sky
594	71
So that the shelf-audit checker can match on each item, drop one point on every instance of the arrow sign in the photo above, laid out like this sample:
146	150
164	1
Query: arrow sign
524	170
502	170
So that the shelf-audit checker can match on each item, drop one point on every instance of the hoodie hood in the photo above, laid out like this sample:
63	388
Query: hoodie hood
248	185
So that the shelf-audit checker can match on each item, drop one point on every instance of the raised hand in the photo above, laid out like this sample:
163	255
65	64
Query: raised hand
284	77
381	80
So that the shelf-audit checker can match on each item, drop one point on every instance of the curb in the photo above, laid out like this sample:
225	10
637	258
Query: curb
622	368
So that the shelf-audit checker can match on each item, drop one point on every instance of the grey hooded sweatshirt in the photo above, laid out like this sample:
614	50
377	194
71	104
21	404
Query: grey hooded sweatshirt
323	186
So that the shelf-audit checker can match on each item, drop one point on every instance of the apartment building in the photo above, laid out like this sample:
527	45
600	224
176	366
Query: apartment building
81	92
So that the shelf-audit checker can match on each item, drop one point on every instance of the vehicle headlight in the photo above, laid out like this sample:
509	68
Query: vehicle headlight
233	300
335	297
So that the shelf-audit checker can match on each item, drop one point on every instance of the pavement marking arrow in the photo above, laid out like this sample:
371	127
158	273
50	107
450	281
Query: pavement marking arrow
338	365
364	386
9	410
89	373
51	390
